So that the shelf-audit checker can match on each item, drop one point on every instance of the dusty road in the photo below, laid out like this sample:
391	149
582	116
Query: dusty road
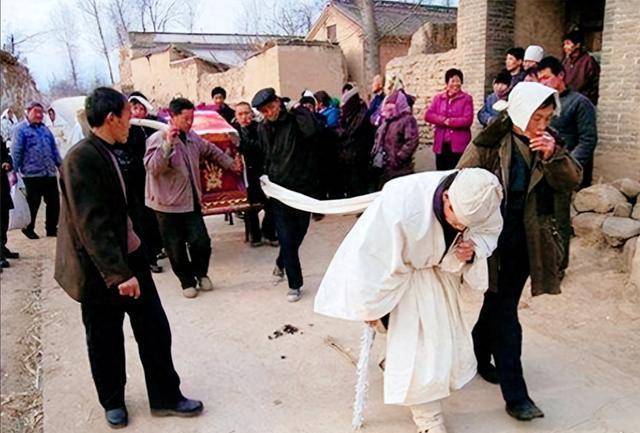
581	351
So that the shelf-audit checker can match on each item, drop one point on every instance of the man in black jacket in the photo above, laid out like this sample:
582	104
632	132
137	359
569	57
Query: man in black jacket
6	204
254	162
99	263
288	142
219	95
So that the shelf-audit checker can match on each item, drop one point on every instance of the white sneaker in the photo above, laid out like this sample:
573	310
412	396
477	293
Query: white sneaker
294	295
205	284
190	292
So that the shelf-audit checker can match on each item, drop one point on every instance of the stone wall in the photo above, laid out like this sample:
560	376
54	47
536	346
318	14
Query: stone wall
433	38
618	150
17	84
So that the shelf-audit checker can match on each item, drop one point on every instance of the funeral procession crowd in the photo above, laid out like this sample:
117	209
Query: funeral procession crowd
493	214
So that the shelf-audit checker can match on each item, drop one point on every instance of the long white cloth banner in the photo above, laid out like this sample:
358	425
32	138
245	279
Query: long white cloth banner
302	202
149	123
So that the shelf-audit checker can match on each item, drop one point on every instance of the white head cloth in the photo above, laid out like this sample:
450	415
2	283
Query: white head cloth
524	100
143	101
534	53
475	196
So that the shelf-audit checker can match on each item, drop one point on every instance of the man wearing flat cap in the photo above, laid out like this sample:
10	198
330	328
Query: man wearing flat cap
288	140
36	158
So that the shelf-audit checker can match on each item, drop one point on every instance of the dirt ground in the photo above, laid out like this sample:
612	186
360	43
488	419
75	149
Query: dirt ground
581	351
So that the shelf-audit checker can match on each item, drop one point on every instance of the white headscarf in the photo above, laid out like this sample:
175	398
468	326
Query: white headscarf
524	100
475	196
534	53
143	101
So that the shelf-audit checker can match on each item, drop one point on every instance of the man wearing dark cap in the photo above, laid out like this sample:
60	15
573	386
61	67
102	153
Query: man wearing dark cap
582	71
101	264
219	95
288	141
36	158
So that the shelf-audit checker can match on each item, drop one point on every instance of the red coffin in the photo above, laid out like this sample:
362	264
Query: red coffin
223	191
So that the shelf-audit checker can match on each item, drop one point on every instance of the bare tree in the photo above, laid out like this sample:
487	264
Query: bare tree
371	49
66	33
120	17
284	17
92	11
18	43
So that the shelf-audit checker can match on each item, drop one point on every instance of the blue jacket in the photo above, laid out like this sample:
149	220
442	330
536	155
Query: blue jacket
487	113
332	114
576	124
34	150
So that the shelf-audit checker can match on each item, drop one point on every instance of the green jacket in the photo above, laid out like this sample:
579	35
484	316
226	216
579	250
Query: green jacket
546	213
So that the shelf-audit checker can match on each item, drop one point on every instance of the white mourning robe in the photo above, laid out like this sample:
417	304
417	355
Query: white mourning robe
393	261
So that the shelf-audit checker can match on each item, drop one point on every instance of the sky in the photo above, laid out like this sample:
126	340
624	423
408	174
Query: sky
46	60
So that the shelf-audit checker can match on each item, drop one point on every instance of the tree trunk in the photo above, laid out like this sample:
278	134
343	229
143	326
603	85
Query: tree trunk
72	64
371	52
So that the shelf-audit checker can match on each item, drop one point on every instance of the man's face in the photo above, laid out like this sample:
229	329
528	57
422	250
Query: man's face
569	47
512	64
244	115
546	77
36	114
218	99
449	215
376	85
528	64
271	111
500	88
119	126
539	122
52	115
184	120
138	111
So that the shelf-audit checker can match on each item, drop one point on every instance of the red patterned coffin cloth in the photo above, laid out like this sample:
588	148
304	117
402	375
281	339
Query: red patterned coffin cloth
223	191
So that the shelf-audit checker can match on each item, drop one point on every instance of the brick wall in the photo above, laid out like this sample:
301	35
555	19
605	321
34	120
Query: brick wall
540	22
618	151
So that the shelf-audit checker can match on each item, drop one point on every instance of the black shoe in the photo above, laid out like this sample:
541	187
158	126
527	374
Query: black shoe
525	411
184	408
489	373
4	263
156	269
30	234
7	253
278	272
117	418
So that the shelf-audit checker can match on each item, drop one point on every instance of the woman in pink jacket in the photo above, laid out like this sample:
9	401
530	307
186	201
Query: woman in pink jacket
451	113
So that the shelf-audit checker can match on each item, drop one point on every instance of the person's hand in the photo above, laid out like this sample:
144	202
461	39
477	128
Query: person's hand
237	165
465	250
543	143
130	288
171	134
6	166
447	121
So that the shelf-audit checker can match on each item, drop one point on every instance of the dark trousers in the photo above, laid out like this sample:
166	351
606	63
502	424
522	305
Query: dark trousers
291	227
587	174
4	223
187	244
105	341
447	159
268	228
150	233
37	189
498	331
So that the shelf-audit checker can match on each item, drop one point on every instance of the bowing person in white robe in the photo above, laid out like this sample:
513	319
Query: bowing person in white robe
408	256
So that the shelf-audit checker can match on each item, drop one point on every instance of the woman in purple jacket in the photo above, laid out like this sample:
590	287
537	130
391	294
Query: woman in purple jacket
396	139
451	113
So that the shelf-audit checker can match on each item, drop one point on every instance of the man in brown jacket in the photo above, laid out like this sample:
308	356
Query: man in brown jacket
537	174
174	191
101	264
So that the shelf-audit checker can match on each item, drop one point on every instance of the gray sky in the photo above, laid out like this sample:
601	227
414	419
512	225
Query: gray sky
46	59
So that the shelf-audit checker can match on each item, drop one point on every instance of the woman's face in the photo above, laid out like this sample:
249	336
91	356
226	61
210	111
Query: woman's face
454	85
539	121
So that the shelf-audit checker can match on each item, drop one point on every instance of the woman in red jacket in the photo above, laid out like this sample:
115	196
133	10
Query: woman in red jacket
451	113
